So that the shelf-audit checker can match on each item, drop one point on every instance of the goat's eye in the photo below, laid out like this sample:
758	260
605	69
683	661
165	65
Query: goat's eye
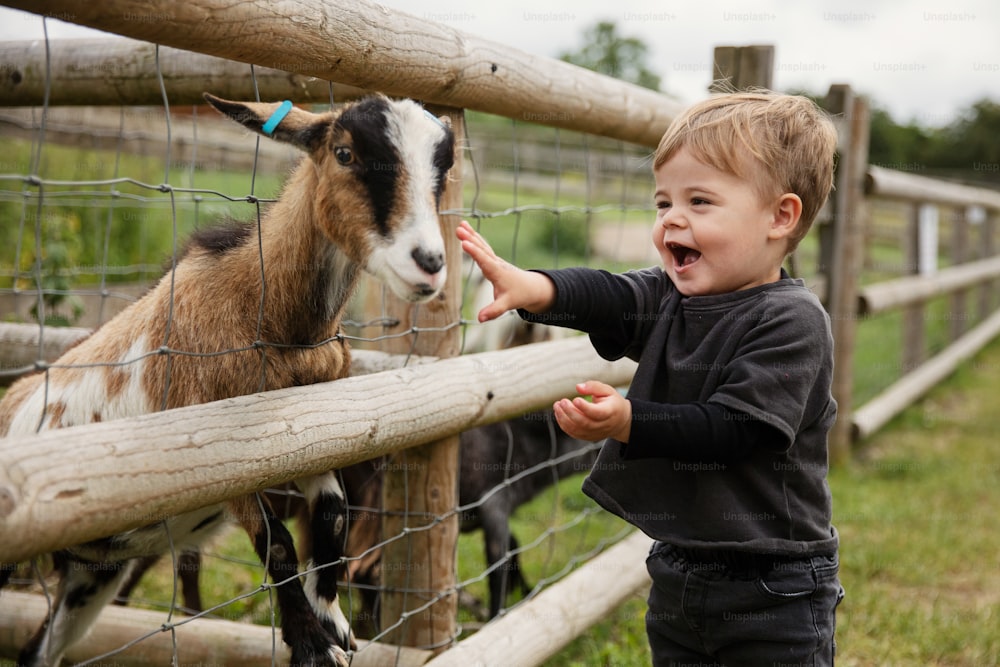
343	154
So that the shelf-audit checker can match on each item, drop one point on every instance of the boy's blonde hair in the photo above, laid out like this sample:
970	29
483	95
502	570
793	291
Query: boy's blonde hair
780	143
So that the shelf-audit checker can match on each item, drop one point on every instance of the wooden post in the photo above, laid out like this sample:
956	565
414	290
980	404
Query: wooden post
848	238
987	247
742	67
959	312
912	352
421	483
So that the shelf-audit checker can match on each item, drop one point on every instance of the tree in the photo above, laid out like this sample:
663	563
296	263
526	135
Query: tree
971	141
609	53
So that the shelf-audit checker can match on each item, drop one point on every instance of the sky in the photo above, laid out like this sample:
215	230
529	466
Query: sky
923	61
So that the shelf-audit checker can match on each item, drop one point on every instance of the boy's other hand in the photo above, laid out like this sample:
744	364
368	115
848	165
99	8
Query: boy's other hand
512	287
607	415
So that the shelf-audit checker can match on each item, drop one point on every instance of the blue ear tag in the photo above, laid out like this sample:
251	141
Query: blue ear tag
433	118
276	118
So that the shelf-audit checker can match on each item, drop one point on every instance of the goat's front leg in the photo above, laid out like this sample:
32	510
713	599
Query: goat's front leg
84	588
328	536
311	644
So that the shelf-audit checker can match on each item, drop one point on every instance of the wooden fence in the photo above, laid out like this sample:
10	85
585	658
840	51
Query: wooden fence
304	430
299	433
972	214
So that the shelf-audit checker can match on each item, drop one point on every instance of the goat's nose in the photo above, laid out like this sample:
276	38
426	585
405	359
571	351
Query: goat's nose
429	261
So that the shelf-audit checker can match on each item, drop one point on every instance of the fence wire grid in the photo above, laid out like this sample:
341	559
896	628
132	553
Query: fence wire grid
86	230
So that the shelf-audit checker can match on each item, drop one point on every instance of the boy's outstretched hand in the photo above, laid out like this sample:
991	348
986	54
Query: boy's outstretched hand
512	287
609	415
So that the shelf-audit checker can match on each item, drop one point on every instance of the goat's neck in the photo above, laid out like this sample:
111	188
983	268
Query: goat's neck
308	280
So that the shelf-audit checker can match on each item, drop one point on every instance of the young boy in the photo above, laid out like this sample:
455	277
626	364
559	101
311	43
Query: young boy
719	451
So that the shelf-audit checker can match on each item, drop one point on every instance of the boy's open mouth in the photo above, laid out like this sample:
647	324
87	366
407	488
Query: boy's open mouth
683	256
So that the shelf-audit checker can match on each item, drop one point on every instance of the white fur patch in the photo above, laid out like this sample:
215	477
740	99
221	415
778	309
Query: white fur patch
415	137
83	393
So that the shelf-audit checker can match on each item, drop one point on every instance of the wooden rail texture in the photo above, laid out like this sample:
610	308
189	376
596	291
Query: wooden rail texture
193	641
242	445
365	45
79	72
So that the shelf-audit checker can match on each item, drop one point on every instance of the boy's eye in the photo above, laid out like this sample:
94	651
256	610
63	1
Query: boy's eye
698	200
662	204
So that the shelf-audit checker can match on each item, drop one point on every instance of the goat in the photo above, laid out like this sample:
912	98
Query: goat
366	198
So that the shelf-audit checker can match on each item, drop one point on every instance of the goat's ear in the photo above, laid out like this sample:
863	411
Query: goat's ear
298	127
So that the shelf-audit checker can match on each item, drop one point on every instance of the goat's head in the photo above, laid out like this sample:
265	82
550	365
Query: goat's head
382	166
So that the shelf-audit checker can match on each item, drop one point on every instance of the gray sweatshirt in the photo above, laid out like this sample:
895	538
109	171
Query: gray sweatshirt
764	354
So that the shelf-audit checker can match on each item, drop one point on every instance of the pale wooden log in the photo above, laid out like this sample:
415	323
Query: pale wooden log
199	641
117	71
363	44
910	290
891	184
422	481
145	468
848	254
538	629
877	412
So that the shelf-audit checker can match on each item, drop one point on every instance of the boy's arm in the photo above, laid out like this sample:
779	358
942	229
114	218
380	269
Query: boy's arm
690	432
697	433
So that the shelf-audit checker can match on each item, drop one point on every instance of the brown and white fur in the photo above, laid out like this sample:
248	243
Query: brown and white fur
366	198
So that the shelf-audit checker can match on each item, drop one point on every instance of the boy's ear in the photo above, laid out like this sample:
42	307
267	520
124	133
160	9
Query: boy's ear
297	127
787	212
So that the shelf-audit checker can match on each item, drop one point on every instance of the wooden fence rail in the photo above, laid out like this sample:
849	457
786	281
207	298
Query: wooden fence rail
371	47
900	185
142	469
910	290
911	294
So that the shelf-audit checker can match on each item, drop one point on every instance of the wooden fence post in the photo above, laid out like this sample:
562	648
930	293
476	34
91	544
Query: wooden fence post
421	483
845	253
987	246
959	314
912	353
742	67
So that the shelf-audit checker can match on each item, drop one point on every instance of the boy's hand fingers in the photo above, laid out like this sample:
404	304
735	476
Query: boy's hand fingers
492	311
595	388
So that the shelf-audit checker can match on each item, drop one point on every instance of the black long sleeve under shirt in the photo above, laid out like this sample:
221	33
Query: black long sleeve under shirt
694	432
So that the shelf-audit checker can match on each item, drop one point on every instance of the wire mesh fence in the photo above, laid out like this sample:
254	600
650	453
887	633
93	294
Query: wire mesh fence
96	206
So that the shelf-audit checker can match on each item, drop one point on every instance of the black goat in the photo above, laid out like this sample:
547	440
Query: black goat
501	467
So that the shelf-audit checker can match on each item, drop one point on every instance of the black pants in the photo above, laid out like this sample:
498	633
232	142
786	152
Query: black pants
731	608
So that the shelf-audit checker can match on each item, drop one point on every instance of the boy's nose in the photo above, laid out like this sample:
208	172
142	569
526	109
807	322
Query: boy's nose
674	218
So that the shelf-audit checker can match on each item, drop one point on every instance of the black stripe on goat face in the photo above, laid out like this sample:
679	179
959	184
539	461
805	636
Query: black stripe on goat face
378	162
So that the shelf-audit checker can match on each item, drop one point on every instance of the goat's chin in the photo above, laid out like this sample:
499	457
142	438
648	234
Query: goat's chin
412	285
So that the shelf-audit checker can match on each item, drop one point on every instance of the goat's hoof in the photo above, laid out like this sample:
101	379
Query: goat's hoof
333	657
341	633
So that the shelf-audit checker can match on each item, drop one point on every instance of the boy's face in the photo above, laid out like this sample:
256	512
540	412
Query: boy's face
713	232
